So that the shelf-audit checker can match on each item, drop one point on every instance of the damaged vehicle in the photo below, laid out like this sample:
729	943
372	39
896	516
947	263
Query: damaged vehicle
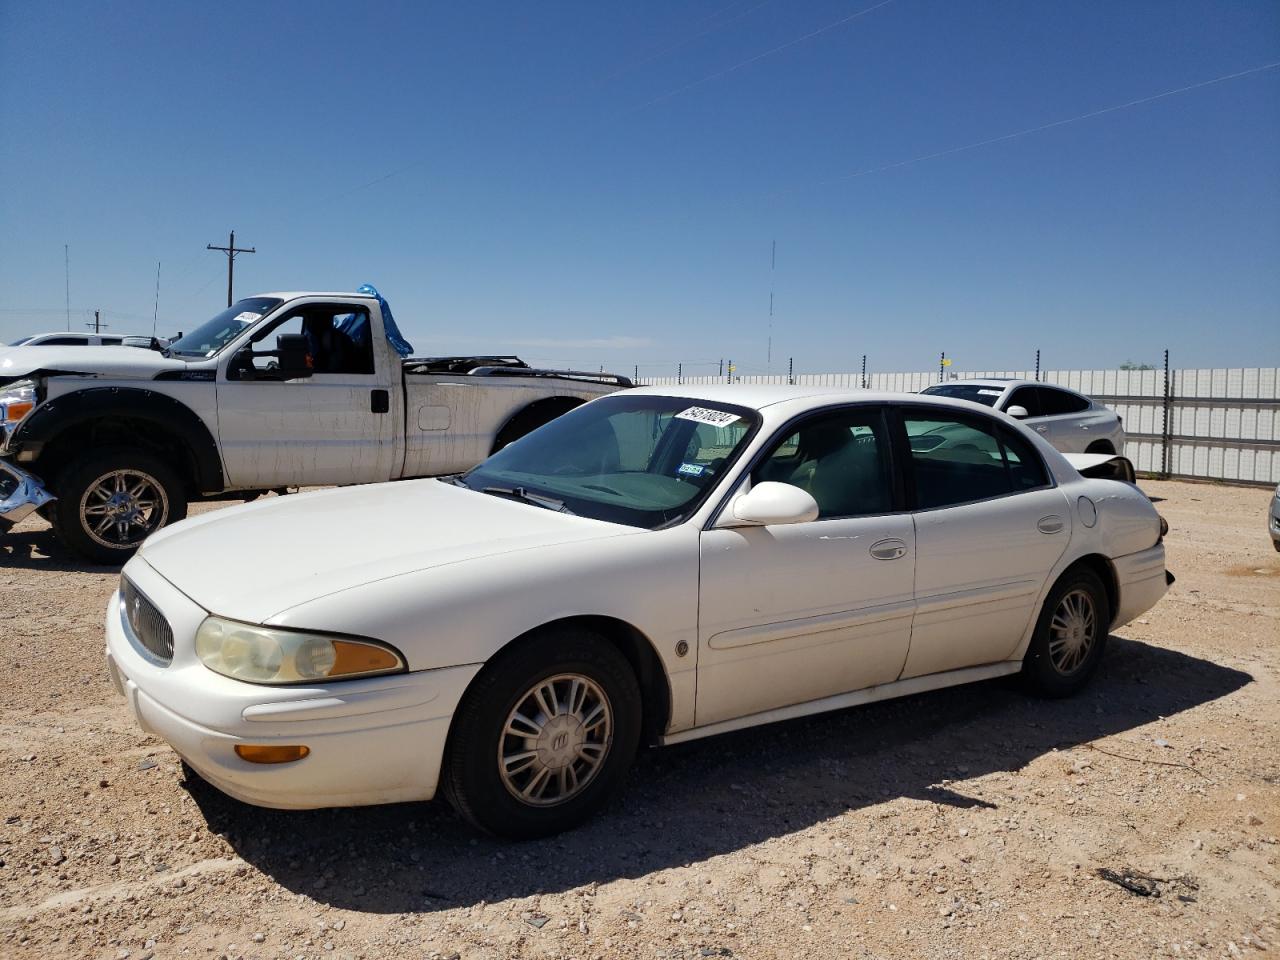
280	390
655	566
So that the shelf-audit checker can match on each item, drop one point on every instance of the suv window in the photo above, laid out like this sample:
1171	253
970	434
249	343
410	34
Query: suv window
65	342
1028	397
840	458
1057	402
961	459
337	336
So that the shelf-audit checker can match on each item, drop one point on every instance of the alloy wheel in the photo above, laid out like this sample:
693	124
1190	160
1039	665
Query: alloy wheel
555	740
1073	631
121	507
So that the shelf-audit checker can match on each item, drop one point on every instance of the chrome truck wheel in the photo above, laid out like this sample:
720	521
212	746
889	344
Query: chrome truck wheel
113	500
122	507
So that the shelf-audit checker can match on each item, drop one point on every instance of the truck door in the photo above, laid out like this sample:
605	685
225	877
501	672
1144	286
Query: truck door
344	424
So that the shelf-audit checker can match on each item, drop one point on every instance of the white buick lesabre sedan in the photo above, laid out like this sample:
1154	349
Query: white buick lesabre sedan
658	565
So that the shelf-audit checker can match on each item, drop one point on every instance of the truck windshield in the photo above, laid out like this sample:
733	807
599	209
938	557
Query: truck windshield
643	461
211	336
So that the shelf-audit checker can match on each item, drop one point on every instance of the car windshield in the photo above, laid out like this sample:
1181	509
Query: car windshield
639	460
19	342
973	392
210	337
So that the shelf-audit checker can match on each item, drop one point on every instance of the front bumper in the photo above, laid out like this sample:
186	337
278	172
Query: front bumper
20	493
379	740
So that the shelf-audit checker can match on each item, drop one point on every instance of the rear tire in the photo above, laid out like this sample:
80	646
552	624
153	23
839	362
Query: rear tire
544	736
114	499
1070	636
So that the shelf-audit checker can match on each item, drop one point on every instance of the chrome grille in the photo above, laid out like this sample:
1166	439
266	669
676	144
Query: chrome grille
148	625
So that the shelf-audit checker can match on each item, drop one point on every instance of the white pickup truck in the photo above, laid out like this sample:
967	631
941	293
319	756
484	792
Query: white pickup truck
111	444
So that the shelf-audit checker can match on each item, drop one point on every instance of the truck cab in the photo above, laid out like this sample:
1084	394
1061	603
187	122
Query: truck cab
277	391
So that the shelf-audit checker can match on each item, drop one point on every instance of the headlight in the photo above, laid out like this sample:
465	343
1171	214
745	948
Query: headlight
256	654
17	400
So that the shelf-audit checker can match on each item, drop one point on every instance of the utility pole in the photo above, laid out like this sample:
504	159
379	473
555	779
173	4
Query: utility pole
97	322
231	250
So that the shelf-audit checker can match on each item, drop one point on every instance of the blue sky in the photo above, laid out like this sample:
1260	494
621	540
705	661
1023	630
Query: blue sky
594	183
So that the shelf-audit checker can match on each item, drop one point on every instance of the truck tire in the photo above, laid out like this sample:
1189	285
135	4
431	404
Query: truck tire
114	499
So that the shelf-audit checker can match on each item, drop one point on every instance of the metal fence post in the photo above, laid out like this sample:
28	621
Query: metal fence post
942	367
679	373
791	370
1037	366
1166	433
864	371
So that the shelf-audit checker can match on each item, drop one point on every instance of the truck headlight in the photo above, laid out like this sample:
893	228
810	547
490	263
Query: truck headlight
17	400
254	654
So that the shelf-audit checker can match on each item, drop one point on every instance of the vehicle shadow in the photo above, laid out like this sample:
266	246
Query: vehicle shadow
714	796
38	549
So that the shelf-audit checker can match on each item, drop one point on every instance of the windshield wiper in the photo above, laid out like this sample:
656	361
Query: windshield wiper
520	493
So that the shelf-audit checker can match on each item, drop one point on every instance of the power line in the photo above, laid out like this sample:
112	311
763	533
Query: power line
230	250
672	48
760	56
1038	129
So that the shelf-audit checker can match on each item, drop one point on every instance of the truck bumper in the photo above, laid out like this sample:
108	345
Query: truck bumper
20	493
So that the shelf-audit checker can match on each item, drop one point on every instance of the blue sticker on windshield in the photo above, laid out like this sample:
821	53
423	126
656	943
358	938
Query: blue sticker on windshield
691	469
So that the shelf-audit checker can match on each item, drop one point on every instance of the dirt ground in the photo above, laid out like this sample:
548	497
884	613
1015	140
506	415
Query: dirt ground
965	823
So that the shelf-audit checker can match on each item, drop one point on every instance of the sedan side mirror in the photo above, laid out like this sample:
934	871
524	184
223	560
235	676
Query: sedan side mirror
1017	412
772	502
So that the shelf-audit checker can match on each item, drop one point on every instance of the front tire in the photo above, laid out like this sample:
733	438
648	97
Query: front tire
1070	636
544	736
113	500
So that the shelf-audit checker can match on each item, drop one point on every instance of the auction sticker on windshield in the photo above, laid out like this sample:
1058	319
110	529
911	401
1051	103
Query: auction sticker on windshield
716	418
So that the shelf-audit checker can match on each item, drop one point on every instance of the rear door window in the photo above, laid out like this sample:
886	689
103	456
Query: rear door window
1057	402
958	459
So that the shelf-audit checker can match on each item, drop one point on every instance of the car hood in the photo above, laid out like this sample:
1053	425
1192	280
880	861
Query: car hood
18	363
256	561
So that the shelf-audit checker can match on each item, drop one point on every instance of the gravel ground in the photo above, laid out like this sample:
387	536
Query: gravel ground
965	823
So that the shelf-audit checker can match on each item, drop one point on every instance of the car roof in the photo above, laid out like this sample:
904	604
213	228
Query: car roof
760	396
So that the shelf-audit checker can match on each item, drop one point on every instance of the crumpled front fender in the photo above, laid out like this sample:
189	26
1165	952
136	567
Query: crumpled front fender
21	493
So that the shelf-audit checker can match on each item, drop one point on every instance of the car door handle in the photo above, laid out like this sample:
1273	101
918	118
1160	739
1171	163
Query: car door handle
1042	429
890	549
379	401
1051	524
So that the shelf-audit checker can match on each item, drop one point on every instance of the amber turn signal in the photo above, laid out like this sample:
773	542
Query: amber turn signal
260	753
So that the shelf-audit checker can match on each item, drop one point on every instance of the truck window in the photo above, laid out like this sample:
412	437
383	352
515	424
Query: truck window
338	336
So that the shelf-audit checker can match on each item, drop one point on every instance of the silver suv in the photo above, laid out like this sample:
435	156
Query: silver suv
1070	421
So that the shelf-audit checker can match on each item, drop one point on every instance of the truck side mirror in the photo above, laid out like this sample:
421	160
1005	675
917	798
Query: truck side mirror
293	355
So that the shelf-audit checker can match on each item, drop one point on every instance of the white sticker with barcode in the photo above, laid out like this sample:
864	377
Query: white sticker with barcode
716	418
248	317
989	393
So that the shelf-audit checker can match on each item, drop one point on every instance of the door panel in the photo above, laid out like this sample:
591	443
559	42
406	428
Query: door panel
318	430
798	612
979	569
989	529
